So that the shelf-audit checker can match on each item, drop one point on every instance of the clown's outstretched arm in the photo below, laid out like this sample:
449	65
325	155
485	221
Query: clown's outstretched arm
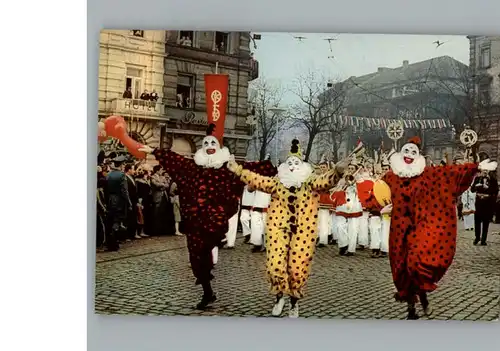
461	177
256	181
174	164
325	181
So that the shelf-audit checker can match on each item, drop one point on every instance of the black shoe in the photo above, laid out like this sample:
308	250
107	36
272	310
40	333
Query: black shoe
246	239
342	251
321	245
257	248
349	254
412	315
383	254
476	241
483	243
205	302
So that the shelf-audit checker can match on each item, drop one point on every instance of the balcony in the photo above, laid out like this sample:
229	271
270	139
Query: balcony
138	108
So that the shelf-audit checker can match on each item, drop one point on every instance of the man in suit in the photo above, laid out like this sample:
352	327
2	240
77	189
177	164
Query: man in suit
132	193
486	188
118	202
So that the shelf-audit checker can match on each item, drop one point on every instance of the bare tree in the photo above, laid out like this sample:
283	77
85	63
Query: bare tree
318	107
451	93
263	97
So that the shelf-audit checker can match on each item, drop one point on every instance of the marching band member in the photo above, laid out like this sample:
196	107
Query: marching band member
364	185
338	198
468	209
375	220
349	213
246	211
385	216
324	217
259	216
291	226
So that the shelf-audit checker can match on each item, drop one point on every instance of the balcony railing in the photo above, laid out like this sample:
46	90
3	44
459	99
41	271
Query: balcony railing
138	108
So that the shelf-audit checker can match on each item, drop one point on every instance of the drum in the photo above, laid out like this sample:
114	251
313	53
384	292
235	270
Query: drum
382	193
364	189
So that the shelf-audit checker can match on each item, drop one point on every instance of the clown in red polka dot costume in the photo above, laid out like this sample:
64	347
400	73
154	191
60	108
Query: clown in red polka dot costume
209	196
423	232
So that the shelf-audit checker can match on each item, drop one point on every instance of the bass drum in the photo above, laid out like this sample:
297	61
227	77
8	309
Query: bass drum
382	193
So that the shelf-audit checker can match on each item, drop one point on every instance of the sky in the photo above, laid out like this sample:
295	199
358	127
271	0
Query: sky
281	56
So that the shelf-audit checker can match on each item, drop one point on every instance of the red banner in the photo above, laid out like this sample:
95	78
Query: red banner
216	90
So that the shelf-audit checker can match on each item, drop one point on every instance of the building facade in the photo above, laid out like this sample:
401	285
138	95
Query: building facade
484	63
190	55
171	64
133	60
431	89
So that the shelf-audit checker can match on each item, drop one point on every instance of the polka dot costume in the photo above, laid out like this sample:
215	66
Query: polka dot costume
208	199
423	230
291	229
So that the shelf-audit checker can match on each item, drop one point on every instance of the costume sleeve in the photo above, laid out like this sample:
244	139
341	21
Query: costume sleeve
259	182
324	182
460	177
264	168
174	164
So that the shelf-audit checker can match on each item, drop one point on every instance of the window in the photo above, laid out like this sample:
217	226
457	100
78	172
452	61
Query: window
186	38
485	57
221	42
137	33
484	94
133	81
185	91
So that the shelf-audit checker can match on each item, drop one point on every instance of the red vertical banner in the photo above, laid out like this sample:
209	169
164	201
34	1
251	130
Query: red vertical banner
216	90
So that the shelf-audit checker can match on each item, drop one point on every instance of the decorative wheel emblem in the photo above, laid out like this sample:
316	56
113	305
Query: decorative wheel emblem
395	130
468	137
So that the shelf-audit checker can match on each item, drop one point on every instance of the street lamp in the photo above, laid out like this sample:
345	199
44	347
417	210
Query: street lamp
277	111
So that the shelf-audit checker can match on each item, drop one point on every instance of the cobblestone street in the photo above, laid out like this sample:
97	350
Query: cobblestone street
152	277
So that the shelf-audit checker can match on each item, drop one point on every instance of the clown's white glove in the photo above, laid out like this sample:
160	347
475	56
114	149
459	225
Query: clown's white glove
488	165
386	209
233	166
146	149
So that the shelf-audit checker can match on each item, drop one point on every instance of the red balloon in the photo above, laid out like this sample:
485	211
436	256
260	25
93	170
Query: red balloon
116	127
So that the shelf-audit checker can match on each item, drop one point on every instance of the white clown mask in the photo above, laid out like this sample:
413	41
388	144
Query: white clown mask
210	154
294	171
409	162
410	152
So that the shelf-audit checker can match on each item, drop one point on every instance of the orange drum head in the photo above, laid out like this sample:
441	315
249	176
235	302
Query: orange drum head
382	193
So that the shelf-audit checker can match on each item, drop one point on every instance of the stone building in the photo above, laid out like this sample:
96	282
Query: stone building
191	54
484	63
430	89
133	60
172	64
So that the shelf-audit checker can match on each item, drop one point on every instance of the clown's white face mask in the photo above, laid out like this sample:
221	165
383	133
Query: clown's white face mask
294	171
408	163
211	154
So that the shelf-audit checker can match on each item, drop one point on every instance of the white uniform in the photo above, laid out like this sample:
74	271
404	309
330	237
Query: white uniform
233	228
469	208
246	210
385	228
348	223
258	218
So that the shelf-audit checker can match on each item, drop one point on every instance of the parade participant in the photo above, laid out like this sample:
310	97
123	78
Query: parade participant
486	189
246	211
208	194
385	213
364	185
337	197
232	228
259	217
325	205
349	213
423	231
292	224
174	198
468	209
374	220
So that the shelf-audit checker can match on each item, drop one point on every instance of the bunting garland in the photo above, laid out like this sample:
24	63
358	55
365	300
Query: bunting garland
368	123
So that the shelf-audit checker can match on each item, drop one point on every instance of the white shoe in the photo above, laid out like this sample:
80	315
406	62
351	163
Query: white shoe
278	307
144	236
137	237
294	311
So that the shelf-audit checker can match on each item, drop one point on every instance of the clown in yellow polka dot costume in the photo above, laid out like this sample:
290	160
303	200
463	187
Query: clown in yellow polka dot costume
292	225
